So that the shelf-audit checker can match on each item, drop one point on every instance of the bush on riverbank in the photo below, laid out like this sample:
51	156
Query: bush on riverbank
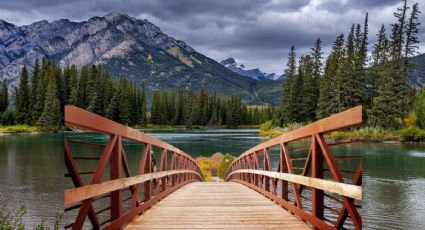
412	134
365	133
409	134
214	166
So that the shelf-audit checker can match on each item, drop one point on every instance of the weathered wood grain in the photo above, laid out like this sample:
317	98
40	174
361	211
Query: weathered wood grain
342	189
216	206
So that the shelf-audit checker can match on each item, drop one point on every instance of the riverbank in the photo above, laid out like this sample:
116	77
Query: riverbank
23	129
27	129
179	127
368	134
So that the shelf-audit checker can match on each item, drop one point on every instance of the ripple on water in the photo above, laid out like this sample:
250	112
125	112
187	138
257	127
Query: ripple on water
419	154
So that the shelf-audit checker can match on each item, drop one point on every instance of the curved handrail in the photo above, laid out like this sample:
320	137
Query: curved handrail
75	195
347	190
172	174
247	169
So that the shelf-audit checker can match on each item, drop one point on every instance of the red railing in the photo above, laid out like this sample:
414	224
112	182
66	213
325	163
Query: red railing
325	203
172	174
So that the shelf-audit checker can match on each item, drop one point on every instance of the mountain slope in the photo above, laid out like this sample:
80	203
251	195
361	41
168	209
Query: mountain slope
124	46
256	73
417	72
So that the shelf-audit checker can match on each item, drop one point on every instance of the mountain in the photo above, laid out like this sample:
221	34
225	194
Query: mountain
256	73
417	72
125	46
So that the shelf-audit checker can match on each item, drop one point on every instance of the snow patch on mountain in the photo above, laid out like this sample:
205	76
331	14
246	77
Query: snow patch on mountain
256	73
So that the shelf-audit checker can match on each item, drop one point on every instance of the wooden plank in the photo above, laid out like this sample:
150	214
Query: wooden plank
216	205
72	196
347	190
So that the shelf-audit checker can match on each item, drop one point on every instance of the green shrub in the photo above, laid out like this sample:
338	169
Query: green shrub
8	118
366	133
411	134
410	120
266	126
13	221
10	221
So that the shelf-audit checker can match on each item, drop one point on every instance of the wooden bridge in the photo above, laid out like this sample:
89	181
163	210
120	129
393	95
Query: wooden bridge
264	188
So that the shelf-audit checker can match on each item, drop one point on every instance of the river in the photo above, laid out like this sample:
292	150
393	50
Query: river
32	172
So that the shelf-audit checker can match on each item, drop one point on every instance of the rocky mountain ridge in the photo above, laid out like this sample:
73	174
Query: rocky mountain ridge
125	46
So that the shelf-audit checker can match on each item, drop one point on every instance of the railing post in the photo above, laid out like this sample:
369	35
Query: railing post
317	172
115	173
283	169
162	183
148	169
267	167
171	167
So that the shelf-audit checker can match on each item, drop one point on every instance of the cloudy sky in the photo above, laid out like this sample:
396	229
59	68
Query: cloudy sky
257	33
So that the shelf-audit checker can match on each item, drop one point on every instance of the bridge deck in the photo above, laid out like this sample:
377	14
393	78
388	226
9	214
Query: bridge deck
216	206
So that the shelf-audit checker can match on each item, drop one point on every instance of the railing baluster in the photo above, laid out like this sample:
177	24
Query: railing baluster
115	173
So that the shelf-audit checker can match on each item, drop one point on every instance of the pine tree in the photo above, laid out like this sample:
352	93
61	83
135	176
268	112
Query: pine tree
4	97
379	55
286	85
33	90
23	99
412	31
143	105
171	107
155	110
163	109
329	85
180	109
93	101
73	85
346	74
309	89
82	96
316	55
296	95
42	82
203	107
51	115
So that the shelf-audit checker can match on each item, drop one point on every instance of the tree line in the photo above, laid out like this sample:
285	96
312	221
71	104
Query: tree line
40	100
202	108
349	77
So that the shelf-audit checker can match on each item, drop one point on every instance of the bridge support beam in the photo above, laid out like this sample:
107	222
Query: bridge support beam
115	173
317	172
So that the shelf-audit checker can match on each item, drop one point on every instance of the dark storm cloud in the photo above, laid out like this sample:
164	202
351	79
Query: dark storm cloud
343	6
255	32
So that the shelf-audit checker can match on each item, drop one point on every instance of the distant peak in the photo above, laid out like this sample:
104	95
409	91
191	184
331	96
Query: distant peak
40	23
4	23
112	16
228	61
115	15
